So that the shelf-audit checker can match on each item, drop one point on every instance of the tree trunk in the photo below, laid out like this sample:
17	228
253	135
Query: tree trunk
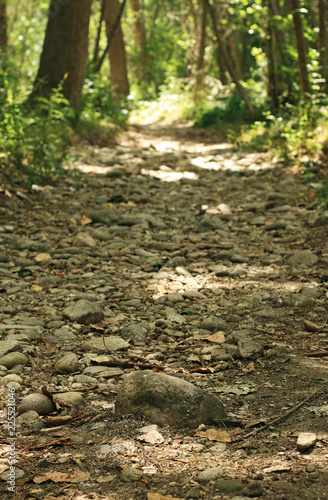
233	47
201	52
3	26
322	9
116	49
140	41
65	50
97	44
272	87
301	50
229	65
280	55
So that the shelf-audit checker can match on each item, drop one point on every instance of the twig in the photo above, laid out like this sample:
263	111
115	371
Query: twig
281	418
315	354
132	364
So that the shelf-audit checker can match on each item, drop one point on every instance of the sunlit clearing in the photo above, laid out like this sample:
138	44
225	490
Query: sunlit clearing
168	175
234	163
168	281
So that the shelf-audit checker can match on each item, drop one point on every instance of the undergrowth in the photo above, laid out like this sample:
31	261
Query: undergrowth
33	139
35	136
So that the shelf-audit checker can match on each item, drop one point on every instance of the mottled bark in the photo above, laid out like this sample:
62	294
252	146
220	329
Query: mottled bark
322	45
201	51
100	24
116	49
3	26
301	50
139	40
65	50
240	89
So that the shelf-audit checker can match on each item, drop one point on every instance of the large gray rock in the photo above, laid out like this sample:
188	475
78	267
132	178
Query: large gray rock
84	312
40	403
167	400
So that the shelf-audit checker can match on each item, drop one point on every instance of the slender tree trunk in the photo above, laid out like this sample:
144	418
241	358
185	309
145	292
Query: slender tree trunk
322	10
301	50
65	50
195	16
3	26
97	44
201	52
272	87
228	63
140	41
222	68
233	46
116	49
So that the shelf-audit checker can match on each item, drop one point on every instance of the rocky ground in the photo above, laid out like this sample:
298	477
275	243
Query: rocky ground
168	252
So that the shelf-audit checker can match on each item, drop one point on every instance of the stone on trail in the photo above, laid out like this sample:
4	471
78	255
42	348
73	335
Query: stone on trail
71	398
212	323
302	258
36	402
12	359
250	349
84	312
321	221
134	332
8	345
228	485
104	215
83	240
210	474
306	440
106	344
67	364
167	400
130	474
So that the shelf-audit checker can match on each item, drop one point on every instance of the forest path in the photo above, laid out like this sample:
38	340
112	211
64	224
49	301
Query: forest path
205	262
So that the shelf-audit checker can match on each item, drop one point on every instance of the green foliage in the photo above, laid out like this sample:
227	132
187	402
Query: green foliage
289	135
98	102
230	111
322	193
174	103
33	141
101	114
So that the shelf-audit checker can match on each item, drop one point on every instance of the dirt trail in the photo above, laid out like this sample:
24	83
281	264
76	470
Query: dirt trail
204	262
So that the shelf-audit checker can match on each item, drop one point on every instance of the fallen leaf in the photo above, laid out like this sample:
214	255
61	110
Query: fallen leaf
152	437
217	338
208	369
76	476
249	368
215	435
41	257
85	220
